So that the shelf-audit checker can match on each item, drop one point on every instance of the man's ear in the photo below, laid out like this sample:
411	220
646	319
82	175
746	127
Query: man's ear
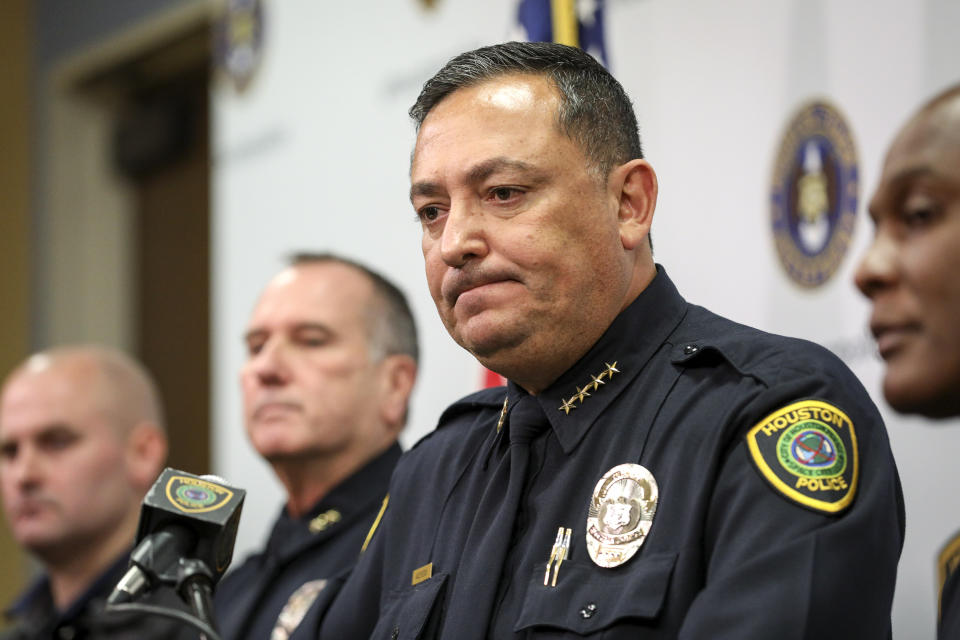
635	184
398	372
146	453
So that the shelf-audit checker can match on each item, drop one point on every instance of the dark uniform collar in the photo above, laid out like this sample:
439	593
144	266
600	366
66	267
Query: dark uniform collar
575	400
348	500
35	608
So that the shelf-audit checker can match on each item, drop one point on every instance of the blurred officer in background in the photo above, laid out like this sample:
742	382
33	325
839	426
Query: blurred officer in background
911	274
331	362
81	442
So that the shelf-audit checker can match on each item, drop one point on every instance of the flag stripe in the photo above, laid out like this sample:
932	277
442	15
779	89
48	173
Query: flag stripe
565	25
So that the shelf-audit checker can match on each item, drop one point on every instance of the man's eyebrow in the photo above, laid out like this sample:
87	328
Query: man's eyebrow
424	189
310	326
56	429
477	173
257	332
893	188
487	168
253	333
913	172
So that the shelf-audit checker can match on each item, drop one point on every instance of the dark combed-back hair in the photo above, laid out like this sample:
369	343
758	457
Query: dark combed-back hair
390	322
595	111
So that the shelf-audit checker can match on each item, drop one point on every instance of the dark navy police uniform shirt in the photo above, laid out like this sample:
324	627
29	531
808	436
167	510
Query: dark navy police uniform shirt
36	618
730	554
948	623
305	559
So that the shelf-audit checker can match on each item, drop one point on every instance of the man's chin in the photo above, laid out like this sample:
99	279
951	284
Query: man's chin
45	544
275	435
278	454
297	455
488	342
918	400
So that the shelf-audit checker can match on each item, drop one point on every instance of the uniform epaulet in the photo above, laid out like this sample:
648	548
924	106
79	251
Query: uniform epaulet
491	398
483	399
709	339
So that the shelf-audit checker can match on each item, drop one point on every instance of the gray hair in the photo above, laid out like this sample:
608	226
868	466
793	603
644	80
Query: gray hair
390	324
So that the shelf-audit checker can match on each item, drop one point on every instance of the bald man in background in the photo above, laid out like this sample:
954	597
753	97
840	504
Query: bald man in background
81	442
911	274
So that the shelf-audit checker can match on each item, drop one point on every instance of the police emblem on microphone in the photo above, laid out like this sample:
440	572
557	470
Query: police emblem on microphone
195	495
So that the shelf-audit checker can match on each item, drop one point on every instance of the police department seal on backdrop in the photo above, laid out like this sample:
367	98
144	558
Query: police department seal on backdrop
814	194
238	40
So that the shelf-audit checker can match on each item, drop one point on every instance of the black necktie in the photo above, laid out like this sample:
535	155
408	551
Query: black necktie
478	575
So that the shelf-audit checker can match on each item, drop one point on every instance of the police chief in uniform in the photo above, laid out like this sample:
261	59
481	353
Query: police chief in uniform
332	358
909	273
651	470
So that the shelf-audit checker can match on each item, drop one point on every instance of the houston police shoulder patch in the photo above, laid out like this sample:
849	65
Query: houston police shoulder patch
808	452
814	194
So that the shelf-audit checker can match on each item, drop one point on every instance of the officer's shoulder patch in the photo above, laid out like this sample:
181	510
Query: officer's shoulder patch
808	452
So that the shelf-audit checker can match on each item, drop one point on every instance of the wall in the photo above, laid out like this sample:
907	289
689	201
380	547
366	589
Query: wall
315	153
15	234
45	268
81	215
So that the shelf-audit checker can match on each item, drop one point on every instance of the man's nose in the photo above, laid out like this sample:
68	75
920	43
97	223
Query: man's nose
878	266
464	235
26	467
269	364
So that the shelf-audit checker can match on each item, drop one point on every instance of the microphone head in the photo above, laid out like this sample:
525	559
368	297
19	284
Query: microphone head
206	505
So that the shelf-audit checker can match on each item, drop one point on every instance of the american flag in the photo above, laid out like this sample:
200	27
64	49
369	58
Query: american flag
578	23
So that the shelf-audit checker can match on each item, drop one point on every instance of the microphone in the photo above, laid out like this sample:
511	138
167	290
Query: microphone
188	525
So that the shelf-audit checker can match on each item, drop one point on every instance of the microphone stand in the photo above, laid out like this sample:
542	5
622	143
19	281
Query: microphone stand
193	581
195	586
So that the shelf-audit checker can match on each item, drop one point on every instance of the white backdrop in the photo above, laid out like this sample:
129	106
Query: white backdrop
315	153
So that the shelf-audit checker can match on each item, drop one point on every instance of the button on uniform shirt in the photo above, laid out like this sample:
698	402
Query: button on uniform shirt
36	618
775	518
305	560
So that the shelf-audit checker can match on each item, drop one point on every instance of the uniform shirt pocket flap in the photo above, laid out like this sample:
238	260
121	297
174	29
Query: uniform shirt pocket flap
589	598
407	611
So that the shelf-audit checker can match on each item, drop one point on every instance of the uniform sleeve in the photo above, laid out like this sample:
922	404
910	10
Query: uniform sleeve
948	623
779	568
